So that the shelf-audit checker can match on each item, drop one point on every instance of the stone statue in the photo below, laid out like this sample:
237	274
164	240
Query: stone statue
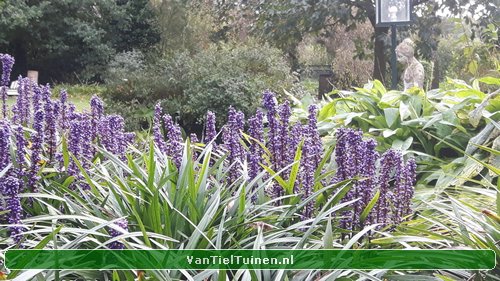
413	74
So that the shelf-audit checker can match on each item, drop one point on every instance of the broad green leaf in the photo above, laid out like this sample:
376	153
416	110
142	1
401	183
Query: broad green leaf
389	99
490	80
402	145
387	133
327	111
473	66
404	111
379	87
391	116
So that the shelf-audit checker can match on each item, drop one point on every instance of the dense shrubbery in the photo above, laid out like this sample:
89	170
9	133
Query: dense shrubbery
468	53
74	40
189	85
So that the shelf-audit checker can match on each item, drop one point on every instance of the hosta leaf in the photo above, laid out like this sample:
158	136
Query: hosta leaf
379	87
402	145
391	116
490	80
389	99
404	111
387	133
327	111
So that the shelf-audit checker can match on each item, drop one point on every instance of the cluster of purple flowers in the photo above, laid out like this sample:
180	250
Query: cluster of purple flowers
32	135
272	140
7	63
311	157
10	185
388	174
284	139
122	223
210	129
172	145
232	139
274	132
255	153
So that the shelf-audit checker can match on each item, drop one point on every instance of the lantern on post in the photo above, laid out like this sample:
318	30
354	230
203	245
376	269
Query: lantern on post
393	13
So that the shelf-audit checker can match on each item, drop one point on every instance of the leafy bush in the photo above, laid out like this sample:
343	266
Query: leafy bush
190	85
467	53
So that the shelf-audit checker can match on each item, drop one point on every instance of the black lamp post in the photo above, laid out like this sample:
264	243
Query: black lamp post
393	13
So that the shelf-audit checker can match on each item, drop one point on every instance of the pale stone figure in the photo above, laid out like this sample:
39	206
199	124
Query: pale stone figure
413	74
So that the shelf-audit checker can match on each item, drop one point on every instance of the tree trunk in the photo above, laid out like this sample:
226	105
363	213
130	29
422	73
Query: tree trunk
436	75
379	58
293	58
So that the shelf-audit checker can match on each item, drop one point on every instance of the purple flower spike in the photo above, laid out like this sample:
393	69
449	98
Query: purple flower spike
11	186
80	145
36	150
22	110
311	157
210	129
51	111
63	107
174	138
285	112
255	153
7	63
275	146
256	131
3	93
115	233
97	111
390	165
404	191
37	97
112	134
5	134
269	101
20	149
366	185
157	132
194	138
232	141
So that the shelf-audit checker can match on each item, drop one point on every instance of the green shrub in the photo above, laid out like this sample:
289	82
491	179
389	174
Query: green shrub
189	85
467	53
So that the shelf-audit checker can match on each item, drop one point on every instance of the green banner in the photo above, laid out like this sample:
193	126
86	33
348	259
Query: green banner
249	259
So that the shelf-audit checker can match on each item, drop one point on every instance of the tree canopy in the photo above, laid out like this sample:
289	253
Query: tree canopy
285	22
73	39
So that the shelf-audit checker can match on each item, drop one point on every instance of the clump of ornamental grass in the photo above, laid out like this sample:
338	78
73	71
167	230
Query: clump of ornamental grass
382	185
35	133
277	163
266	140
